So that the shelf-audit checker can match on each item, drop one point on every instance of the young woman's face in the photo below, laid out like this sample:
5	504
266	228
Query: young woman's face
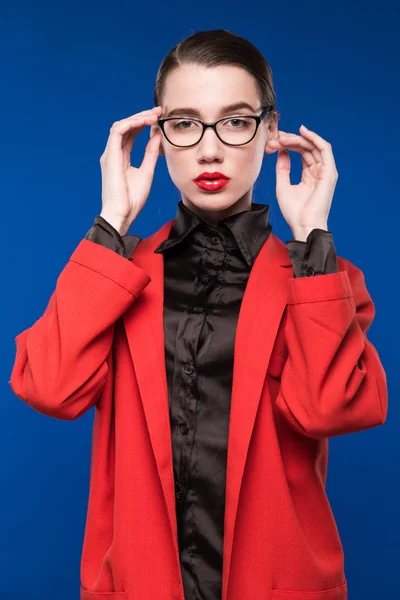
207	90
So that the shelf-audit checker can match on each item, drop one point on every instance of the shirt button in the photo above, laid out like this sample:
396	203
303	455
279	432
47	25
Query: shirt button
178	490
205	278
184	428
188	369
215	239
310	272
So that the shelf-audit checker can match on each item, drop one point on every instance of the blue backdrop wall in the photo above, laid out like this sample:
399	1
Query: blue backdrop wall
69	70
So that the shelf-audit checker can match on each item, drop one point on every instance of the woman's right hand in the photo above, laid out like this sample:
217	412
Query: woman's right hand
125	188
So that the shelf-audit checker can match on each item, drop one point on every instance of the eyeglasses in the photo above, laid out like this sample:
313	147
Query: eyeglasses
236	130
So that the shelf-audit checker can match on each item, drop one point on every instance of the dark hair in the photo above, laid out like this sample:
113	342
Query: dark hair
220	47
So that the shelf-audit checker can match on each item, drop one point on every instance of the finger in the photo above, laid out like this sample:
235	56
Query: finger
323	146
296	143
292	141
124	125
129	138
282	171
156	110
306	155
292	138
133	126
126	147
142	113
151	154
308	158
136	126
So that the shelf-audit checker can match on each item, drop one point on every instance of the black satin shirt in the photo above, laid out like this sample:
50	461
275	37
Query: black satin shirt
206	269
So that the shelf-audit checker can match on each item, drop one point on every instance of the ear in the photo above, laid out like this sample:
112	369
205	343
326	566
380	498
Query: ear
154	129
272	133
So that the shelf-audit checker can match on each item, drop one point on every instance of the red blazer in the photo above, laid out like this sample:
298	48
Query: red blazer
304	371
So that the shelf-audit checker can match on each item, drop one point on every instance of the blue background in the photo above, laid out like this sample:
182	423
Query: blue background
69	71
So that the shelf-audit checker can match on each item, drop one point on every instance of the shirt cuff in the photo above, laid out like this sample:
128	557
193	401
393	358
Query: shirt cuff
105	234
315	256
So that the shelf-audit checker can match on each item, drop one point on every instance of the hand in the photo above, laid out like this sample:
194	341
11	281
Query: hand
125	188
305	206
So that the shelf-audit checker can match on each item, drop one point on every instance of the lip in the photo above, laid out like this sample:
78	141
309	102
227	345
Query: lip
211	185
215	175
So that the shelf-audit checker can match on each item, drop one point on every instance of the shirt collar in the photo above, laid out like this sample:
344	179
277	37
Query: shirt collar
250	229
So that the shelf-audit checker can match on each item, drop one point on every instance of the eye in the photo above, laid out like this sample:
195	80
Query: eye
239	123
182	124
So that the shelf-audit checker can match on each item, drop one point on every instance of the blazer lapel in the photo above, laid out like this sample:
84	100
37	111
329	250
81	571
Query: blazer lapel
260	314
144	326
261	311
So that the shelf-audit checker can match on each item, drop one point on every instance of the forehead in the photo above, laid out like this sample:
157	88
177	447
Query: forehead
208	89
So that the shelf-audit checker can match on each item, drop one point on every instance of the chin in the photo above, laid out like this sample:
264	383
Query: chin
214	201
212	204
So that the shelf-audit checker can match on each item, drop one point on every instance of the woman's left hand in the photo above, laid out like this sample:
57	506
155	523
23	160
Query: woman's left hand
305	206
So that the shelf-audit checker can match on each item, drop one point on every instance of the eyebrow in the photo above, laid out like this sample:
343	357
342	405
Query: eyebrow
225	109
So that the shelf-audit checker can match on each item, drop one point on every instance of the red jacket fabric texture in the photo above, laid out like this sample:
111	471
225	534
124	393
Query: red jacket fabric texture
304	371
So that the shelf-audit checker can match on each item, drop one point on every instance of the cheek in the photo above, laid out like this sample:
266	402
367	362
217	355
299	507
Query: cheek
181	169
249	164
174	161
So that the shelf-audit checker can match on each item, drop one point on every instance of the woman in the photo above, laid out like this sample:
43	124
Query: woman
219	360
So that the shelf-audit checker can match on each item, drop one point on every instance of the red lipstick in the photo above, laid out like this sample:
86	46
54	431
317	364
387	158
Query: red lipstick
211	182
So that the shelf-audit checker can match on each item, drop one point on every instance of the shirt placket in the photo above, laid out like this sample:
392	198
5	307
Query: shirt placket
206	281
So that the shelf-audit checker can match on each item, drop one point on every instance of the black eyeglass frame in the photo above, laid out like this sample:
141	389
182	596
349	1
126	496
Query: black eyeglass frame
257	119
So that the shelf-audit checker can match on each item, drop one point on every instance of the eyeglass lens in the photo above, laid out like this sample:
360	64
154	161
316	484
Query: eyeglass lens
185	132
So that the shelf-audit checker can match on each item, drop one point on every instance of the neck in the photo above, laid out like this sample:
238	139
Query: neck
213	216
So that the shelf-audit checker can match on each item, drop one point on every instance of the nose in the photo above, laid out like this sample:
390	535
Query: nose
210	146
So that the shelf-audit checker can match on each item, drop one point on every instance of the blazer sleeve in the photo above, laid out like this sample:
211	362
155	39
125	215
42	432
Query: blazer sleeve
61	361
315	256
106	235
333	381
